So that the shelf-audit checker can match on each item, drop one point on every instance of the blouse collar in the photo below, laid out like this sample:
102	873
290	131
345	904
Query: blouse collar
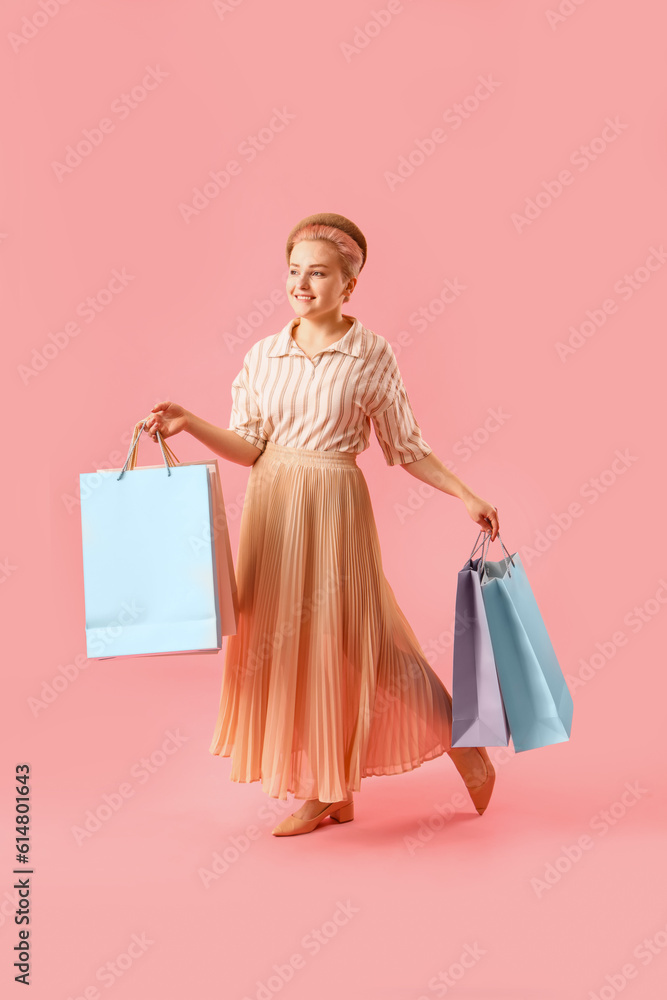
349	343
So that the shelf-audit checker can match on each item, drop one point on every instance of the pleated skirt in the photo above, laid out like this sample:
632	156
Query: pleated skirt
324	682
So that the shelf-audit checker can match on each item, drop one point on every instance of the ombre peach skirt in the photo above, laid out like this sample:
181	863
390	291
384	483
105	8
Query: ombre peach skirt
324	682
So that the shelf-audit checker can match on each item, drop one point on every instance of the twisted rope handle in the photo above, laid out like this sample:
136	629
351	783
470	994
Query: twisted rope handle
171	458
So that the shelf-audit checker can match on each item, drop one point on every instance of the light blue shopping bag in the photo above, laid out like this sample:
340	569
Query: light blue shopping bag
535	694
150	574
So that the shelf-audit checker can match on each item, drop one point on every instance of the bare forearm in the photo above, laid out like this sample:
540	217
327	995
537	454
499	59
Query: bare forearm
432	471
228	444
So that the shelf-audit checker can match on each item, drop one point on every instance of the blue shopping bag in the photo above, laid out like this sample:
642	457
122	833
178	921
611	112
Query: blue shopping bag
478	714
149	568
537	699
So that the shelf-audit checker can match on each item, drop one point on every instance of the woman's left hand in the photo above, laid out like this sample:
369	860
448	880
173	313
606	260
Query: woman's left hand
483	514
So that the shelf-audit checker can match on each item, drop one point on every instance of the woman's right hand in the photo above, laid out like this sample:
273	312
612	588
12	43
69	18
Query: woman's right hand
168	418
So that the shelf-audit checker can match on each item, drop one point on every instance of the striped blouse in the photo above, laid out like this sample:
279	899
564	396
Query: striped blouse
327	402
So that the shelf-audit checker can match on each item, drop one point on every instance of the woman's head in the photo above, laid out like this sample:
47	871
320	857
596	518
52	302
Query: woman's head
325	254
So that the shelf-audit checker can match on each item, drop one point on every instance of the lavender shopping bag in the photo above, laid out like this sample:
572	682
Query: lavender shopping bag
478	713
535	694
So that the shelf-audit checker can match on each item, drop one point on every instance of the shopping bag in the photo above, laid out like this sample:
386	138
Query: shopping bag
156	565
478	714
535	694
226	578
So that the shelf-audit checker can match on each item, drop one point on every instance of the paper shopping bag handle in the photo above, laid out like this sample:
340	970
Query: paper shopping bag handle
131	460
487	538
172	459
482	537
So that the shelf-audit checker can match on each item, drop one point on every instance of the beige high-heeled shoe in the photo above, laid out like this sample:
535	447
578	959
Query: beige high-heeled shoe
478	774
342	812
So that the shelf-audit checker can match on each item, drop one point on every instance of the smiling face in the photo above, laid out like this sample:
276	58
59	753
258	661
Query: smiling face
315	285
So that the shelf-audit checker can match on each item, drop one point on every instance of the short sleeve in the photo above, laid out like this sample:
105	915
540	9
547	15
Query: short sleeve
395	424
246	417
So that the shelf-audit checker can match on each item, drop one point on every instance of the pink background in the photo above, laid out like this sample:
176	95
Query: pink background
362	99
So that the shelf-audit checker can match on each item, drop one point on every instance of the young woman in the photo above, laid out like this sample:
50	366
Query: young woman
324	682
